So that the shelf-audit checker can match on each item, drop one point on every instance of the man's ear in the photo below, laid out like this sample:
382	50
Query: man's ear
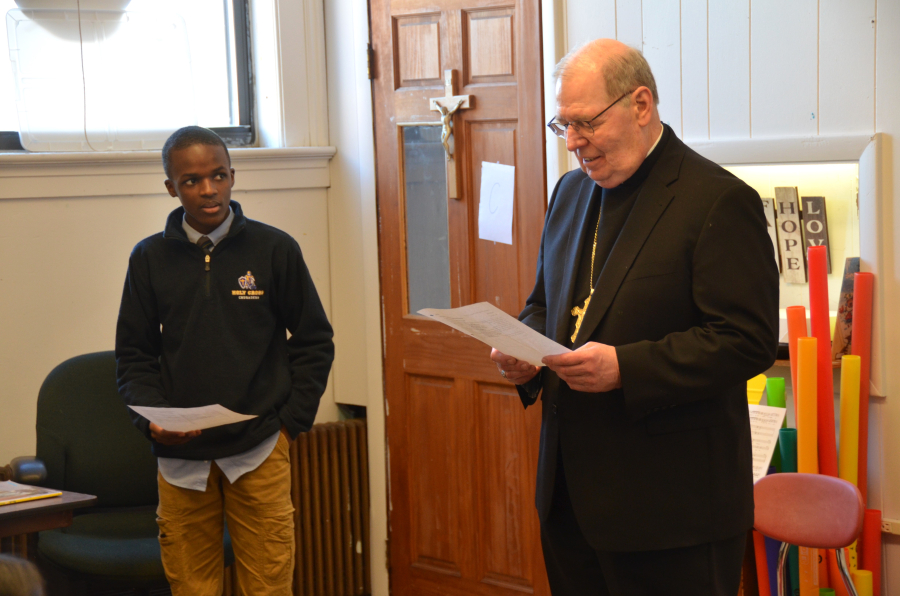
170	186
643	103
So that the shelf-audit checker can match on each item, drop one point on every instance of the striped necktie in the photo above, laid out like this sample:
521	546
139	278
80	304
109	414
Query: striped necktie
205	243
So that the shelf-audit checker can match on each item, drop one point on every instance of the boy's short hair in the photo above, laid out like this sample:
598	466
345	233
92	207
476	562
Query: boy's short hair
187	136
19	577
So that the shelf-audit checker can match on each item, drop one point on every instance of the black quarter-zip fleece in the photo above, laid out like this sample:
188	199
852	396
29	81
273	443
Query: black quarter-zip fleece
196	329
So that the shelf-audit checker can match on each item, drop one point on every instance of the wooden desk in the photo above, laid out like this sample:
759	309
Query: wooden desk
41	514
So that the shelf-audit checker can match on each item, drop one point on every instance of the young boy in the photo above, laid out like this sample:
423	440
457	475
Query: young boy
203	320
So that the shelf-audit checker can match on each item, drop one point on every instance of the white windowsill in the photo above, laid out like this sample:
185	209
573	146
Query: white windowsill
56	175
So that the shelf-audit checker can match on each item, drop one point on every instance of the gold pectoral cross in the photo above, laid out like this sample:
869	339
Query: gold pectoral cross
579	311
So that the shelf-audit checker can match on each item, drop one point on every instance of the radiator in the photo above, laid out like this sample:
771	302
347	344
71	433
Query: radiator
330	491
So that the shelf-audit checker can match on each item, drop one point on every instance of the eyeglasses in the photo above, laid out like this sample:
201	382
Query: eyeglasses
585	128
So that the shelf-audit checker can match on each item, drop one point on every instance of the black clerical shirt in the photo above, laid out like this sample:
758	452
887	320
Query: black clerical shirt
612	206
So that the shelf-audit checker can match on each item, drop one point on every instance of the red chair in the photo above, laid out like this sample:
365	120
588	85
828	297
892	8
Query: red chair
809	510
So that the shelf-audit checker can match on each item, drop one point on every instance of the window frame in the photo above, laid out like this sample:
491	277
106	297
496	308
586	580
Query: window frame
242	135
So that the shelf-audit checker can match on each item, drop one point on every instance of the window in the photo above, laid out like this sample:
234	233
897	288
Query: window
138	74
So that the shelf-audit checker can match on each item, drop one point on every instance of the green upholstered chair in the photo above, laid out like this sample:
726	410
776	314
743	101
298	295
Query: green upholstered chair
88	444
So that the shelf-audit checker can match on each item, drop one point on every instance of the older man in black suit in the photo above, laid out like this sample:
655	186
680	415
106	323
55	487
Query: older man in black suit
656	268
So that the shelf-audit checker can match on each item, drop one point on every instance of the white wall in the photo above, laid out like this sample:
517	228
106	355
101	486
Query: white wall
68	228
739	74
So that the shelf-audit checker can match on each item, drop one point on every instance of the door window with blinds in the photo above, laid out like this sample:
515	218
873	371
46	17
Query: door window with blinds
104	75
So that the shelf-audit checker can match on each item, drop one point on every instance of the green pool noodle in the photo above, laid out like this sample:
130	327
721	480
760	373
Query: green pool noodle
787	445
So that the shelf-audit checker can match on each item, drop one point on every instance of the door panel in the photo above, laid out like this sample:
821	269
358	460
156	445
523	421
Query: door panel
462	450
495	263
433	475
506	486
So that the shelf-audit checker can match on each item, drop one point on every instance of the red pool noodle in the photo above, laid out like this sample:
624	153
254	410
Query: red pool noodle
870	540
762	566
861	345
821	330
796	322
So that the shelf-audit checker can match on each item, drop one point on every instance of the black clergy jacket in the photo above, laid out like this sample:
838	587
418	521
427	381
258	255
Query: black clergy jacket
689	299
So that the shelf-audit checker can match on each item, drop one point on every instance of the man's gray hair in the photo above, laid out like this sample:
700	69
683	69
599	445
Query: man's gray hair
622	73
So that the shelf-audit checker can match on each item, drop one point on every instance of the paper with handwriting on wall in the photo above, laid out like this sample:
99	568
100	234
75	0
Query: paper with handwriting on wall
185	419
487	323
495	208
765	422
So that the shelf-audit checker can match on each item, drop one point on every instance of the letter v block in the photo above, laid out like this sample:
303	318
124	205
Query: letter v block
815	225
790	238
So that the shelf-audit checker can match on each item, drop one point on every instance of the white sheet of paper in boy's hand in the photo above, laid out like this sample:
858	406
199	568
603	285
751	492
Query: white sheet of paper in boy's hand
495	209
765	422
182	420
487	323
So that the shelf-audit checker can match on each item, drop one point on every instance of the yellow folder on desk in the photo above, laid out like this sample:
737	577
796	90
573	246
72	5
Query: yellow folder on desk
13	492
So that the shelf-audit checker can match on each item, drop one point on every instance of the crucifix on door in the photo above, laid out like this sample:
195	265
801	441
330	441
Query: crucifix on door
447	106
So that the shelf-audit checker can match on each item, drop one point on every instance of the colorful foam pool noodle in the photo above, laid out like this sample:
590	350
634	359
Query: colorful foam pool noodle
820	327
807	452
807	406
787	445
870	558
762	568
848	456
775	399
796	321
772	548
837	582
862	579
861	345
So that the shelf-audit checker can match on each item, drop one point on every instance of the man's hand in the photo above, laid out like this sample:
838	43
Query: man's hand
592	368
168	437
513	370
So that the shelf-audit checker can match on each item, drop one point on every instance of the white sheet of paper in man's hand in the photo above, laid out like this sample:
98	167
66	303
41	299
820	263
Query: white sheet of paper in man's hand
495	207
182	420
487	323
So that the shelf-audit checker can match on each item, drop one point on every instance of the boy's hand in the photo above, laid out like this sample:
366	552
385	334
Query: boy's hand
168	437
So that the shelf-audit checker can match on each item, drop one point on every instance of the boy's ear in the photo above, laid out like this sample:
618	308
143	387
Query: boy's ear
232	177
171	187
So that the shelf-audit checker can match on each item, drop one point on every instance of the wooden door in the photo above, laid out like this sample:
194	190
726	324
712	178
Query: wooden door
462	450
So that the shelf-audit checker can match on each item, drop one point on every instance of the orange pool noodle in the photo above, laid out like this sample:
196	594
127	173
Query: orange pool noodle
762	566
870	557
807	459
796	323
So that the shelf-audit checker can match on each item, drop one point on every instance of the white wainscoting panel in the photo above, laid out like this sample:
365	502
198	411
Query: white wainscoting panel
629	23
846	66
589	19
694	69
783	68
662	48
729	69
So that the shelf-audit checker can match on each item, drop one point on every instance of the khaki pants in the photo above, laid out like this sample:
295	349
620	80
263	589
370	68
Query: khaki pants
260	520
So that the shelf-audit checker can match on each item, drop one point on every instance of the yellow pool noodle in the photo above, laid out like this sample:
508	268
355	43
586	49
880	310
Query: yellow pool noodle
848	456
